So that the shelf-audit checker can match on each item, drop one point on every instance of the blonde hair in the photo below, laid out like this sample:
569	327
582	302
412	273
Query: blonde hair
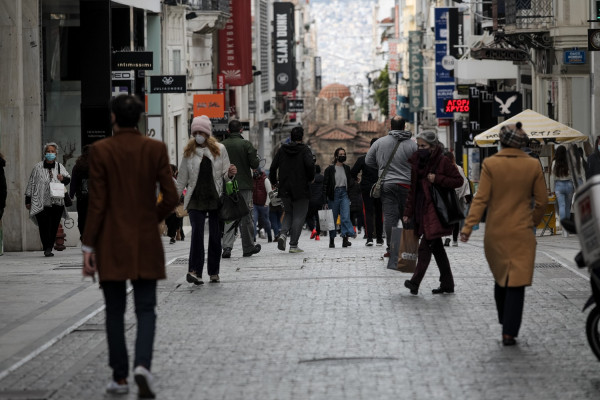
211	143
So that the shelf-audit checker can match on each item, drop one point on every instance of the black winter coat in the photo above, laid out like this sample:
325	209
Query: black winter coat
369	174
292	170
316	191
329	181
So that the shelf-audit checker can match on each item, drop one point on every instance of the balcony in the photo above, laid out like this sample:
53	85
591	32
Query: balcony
207	16
525	16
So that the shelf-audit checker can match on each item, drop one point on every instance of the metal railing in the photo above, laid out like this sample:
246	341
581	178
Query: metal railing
528	15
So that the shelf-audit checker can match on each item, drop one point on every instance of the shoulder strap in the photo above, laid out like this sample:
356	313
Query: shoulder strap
389	161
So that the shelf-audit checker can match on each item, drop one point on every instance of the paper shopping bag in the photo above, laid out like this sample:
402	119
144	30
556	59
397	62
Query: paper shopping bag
409	250
326	220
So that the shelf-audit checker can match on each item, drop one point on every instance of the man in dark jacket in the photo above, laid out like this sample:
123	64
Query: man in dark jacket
243	155
373	211
315	204
292	170
594	161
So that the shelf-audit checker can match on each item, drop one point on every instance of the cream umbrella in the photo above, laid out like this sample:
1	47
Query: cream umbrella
537	126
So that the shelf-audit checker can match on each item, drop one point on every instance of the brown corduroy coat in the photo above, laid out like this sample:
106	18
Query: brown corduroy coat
509	180
123	214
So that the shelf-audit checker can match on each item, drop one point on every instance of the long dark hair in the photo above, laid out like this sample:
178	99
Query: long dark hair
561	165
335	154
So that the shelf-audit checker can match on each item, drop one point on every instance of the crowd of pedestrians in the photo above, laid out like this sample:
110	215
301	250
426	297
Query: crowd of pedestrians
512	192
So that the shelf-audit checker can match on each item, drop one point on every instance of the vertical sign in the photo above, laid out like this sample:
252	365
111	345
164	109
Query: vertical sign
235	45
285	65
416	71
444	80
318	74
221	81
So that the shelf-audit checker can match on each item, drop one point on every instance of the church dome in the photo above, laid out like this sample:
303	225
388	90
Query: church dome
335	90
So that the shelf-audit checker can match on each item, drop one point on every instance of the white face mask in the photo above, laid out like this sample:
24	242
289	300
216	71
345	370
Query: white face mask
200	139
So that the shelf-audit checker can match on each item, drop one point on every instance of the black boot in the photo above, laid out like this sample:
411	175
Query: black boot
331	243
346	242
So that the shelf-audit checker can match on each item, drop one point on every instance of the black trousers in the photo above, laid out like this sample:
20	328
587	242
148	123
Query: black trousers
82	208
48	221
509	303
312	217
173	224
115	297
373	216
426	249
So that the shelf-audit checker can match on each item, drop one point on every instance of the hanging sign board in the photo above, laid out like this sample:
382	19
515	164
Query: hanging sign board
168	84
128	60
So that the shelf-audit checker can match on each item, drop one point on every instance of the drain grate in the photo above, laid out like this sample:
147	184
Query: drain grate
68	266
181	261
548	265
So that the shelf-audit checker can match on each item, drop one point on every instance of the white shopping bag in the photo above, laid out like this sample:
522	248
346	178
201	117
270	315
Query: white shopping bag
57	189
326	220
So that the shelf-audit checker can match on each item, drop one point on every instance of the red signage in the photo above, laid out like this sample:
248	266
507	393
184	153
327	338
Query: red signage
457	106
235	45
220	81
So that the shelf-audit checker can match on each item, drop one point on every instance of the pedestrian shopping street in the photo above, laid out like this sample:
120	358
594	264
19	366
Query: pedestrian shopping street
324	324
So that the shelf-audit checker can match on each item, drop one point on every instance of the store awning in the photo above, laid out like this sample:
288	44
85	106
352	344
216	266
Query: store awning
150	5
537	126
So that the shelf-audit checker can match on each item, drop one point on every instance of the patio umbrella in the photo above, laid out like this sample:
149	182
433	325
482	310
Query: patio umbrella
537	126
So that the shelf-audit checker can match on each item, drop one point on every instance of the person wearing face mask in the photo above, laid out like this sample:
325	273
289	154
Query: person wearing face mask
594	161
337	181
204	166
429	166
44	210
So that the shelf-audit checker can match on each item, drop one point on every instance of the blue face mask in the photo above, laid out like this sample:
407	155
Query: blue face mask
50	156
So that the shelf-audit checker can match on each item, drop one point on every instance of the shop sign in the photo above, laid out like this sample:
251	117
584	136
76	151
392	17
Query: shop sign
123	75
507	104
442	94
285	65
442	74
211	105
457	106
574	56
416	71
295	105
128	60
235	45
168	84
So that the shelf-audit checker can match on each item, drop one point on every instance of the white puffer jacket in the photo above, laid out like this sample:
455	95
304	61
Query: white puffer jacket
190	167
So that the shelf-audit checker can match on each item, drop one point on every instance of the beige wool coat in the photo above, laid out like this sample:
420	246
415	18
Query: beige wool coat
123	214
509	180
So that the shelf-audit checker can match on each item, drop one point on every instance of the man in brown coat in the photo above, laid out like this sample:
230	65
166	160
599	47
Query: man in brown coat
508	180
121	239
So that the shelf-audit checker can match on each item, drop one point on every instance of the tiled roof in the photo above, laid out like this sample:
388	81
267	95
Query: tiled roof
335	90
368	126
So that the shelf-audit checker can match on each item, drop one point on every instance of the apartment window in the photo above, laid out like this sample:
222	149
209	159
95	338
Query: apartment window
176	62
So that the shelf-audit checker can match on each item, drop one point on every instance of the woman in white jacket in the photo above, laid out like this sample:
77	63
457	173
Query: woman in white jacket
204	166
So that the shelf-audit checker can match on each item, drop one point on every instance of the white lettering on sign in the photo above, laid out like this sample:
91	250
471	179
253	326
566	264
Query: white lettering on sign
281	44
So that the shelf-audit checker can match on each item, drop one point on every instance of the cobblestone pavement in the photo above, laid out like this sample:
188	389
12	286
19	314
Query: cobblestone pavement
336	324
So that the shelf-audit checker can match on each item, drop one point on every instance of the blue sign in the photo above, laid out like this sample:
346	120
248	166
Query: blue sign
441	24
442	75
403	107
574	57
442	94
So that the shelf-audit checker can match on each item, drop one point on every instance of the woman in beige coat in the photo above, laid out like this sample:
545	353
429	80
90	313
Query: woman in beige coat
508	181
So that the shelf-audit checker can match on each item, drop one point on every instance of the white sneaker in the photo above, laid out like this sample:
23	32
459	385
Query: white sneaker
296	250
145	382
454	244
117	388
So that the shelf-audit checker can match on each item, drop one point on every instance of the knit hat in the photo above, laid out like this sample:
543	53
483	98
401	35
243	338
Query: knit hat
515	138
201	124
430	137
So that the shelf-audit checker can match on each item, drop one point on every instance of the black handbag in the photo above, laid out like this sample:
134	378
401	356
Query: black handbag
446	205
233	205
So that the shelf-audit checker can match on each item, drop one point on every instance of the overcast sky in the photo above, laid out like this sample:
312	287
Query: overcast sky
344	38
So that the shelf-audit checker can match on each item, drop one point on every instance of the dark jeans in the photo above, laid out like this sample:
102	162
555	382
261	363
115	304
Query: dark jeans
196	262
426	249
509	303
373	216
82	208
261	214
115	297
357	219
312	217
275	219
48	221
393	199
293	219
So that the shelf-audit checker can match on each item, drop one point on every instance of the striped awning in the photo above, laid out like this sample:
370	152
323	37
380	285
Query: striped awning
537	126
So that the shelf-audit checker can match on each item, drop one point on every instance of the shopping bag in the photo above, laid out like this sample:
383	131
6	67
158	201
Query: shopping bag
180	212
57	190
326	220
446	205
394	248
233	207
409	250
